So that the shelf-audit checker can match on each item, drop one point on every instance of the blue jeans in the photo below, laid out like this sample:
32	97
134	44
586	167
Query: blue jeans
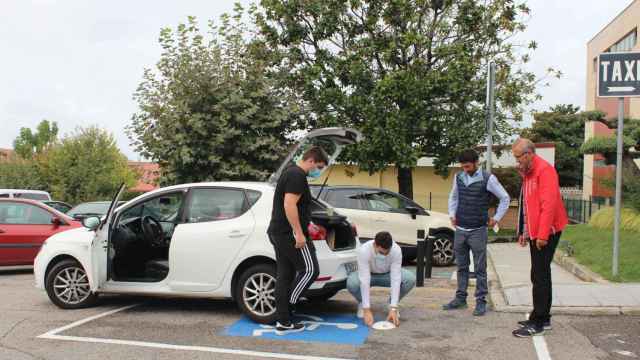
476	242
381	280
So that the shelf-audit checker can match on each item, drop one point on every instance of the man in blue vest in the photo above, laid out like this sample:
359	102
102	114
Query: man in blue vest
469	213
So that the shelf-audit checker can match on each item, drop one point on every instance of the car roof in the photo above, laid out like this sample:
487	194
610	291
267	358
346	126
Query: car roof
23	191
251	185
39	204
350	187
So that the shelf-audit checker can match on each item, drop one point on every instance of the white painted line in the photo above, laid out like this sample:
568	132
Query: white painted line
540	345
84	321
53	335
186	348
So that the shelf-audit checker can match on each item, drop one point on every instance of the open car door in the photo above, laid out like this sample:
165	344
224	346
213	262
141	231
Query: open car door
100	245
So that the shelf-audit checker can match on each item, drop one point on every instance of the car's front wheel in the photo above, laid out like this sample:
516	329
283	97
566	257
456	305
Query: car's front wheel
443	249
256	293
67	286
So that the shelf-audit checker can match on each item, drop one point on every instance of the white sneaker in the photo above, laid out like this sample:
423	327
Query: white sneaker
360	313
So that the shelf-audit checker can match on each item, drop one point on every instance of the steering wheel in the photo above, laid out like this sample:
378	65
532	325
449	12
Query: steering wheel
152	231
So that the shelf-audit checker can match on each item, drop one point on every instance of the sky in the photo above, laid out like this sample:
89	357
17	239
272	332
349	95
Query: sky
79	62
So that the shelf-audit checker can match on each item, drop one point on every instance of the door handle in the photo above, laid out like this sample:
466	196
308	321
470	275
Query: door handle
235	236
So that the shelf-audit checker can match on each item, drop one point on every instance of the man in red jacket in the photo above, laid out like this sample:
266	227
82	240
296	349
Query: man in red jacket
541	221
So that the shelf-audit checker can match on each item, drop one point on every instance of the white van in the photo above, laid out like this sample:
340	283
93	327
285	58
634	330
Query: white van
25	194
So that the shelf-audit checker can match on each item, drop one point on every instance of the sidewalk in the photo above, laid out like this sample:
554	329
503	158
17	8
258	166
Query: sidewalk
510	264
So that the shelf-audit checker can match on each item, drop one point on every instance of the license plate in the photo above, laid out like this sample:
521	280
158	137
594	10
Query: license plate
351	267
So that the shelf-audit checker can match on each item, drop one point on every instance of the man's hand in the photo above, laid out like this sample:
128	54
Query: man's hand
368	317
522	241
453	221
301	240
393	317
492	223
541	243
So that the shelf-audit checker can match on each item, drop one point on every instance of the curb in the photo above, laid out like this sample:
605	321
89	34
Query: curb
570	264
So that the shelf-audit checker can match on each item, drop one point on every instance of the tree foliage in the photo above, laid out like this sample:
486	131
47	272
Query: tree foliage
564	126
409	74
86	166
210	110
29	144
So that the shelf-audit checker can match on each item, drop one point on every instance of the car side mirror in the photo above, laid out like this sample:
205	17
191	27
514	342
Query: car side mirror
56	221
91	223
413	211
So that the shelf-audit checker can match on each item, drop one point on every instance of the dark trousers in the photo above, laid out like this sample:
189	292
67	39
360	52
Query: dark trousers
296	270
541	279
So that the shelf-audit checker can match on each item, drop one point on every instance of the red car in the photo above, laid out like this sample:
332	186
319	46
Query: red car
24	226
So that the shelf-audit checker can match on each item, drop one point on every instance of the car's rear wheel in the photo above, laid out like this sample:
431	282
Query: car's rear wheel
67	286
443	249
256	293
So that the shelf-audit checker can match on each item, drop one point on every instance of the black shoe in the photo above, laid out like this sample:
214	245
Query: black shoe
288	328
455	304
481	309
528	331
546	325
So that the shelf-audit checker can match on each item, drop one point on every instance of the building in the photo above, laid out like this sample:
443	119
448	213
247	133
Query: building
148	174
620	35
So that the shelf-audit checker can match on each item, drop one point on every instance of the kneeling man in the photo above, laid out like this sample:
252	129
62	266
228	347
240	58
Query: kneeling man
380	264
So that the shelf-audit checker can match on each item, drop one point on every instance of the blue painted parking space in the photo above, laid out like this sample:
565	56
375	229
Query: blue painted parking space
330	328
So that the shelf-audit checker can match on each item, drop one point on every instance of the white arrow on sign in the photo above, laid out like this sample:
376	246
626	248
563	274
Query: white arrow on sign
621	88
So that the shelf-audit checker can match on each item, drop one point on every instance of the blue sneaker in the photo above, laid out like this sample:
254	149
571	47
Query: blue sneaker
481	309
455	304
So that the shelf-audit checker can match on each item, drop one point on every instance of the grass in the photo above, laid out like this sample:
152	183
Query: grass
593	247
629	219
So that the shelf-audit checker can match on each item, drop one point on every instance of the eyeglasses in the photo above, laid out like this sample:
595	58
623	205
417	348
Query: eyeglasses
521	155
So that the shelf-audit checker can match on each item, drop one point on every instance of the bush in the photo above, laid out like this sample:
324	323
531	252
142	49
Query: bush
603	219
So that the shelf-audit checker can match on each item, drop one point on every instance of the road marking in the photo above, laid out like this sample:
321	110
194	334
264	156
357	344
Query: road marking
625	353
540	345
53	335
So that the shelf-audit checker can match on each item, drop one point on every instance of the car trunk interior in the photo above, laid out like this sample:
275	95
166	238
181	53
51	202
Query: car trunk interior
340	234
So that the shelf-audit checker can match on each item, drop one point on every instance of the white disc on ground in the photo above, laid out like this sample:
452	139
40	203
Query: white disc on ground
383	325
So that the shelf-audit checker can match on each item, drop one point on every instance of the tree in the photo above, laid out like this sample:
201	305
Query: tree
564	126
607	146
29	144
409	74
86	166
211	111
21	174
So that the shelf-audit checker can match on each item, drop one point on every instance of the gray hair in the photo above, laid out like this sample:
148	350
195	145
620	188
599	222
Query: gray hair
525	145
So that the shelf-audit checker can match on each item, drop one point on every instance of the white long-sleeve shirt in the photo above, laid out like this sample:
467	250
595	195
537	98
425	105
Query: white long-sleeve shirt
368	264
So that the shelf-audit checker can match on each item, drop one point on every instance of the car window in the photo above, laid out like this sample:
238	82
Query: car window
344	198
23	214
215	204
383	201
164	208
100	208
4	195
253	196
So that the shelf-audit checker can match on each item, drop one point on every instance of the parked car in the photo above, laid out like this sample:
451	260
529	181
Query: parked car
196	240
25	194
88	209
61	206
375	209
24	226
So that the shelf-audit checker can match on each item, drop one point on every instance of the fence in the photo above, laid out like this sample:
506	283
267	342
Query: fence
580	211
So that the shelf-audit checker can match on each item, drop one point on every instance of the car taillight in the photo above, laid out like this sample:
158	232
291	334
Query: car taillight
354	230
317	232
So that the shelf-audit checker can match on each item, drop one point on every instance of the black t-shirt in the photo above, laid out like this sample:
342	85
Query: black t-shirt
294	181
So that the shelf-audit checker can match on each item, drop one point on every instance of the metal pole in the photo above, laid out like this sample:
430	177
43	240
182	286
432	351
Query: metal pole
491	83
421	248
616	224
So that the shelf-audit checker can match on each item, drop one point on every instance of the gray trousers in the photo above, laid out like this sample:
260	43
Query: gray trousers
476	242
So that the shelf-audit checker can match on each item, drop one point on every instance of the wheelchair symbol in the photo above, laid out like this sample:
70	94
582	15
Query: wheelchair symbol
310	325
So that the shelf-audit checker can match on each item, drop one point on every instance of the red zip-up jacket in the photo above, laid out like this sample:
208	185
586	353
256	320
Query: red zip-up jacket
545	212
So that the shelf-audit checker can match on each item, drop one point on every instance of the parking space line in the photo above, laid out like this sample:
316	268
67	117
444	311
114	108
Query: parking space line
53	335
84	321
186	348
540	345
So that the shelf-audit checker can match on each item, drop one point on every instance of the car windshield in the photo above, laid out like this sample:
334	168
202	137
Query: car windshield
90	208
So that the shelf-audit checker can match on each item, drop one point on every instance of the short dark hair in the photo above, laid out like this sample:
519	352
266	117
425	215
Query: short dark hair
383	240
317	154
468	156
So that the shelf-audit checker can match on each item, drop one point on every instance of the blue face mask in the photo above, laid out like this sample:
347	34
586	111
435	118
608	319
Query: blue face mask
315	173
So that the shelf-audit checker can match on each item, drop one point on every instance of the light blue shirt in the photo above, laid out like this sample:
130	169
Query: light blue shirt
493	186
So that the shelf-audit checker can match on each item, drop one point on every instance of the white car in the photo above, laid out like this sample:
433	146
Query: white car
373	210
196	240
25	194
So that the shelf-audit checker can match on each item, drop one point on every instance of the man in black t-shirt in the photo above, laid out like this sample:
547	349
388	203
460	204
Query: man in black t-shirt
288	232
